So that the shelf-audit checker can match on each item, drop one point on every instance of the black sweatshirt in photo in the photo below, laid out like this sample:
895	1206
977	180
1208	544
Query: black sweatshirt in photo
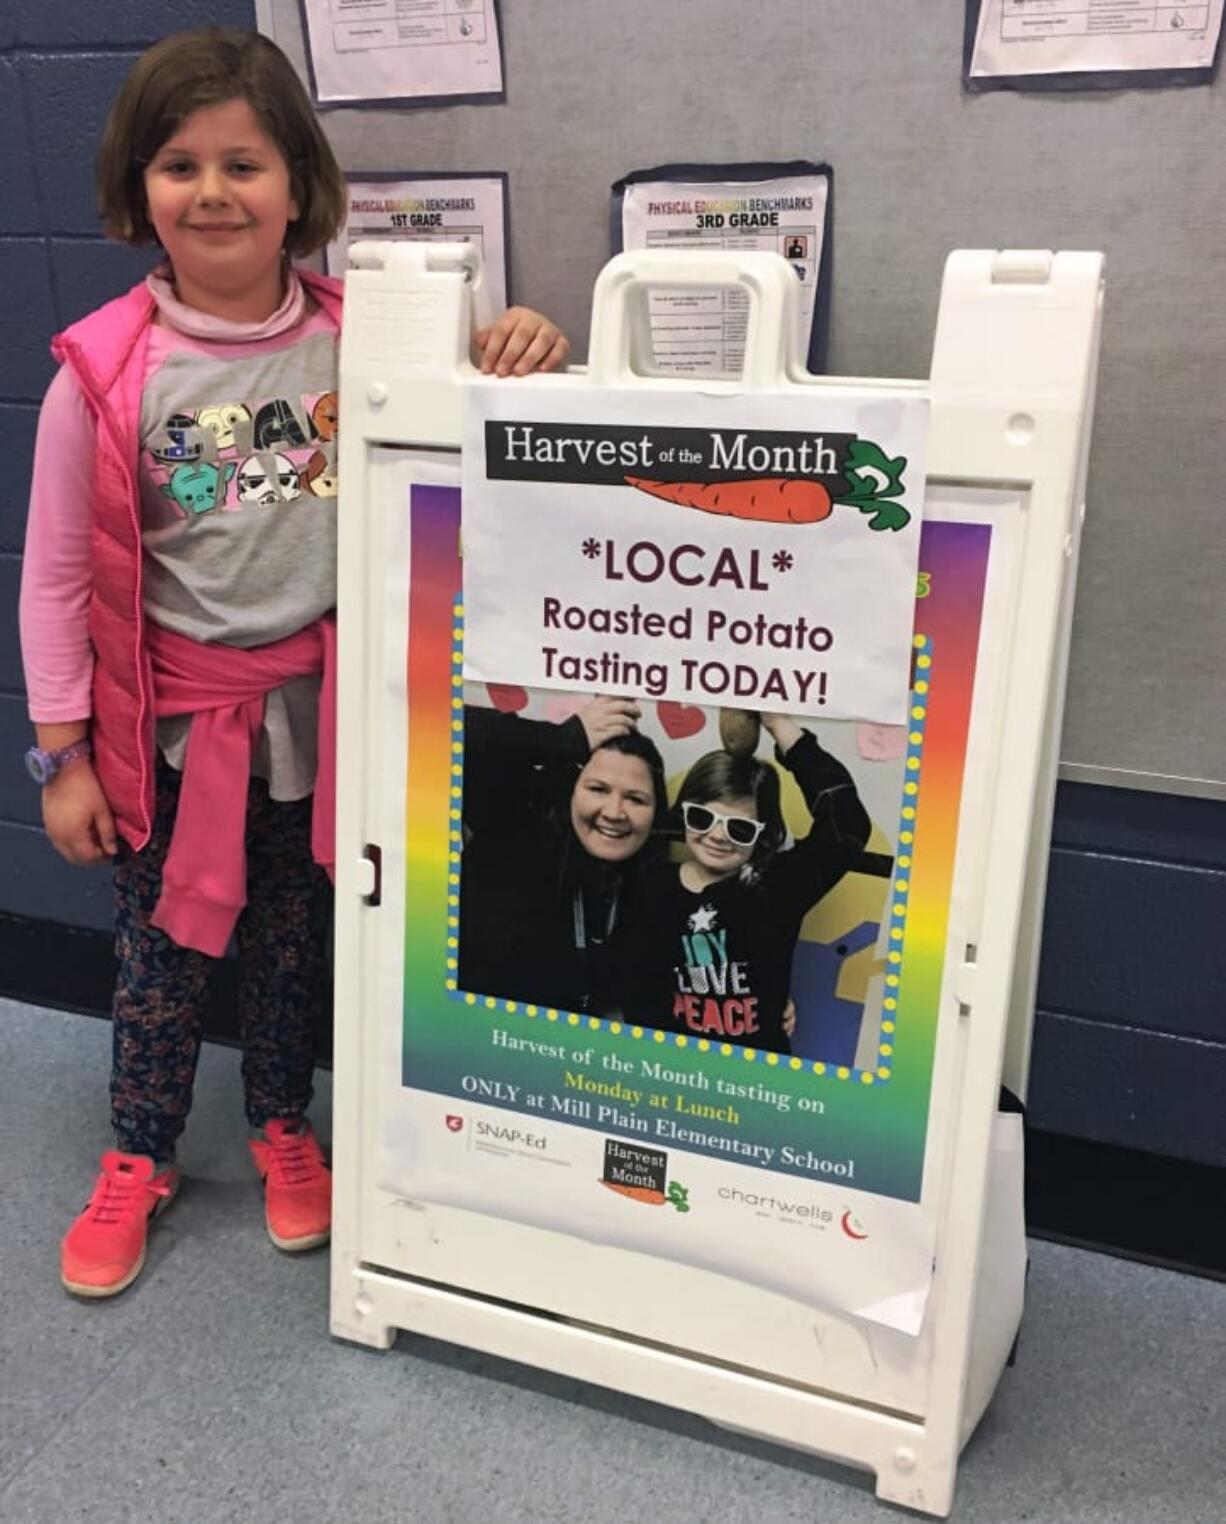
717	963
536	914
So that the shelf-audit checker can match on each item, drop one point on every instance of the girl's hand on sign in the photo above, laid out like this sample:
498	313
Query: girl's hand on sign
605	718
789	1018
519	342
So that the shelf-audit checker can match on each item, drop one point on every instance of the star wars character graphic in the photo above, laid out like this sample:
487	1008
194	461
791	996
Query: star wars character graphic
319	475
324	417
223	420
277	427
178	442
200	488
268	478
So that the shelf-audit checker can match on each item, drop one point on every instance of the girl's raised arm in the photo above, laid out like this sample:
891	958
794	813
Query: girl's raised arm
840	826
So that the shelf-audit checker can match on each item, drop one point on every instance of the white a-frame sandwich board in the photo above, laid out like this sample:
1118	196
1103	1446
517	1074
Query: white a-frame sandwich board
582	1120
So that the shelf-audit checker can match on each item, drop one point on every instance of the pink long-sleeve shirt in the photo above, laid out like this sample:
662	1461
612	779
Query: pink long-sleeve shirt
56	570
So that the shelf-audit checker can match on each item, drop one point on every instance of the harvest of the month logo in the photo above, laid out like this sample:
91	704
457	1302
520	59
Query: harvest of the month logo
642	1175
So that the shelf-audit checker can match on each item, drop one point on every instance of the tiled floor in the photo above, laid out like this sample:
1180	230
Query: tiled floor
211	1391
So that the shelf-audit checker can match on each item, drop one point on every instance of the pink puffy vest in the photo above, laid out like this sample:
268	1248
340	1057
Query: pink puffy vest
106	351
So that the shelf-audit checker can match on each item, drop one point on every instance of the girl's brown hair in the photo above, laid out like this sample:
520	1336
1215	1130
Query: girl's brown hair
187	71
719	775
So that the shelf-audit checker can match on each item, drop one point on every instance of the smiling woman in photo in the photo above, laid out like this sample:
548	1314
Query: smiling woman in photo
558	821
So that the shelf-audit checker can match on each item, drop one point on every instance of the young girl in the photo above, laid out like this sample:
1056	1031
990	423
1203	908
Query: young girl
179	574
712	939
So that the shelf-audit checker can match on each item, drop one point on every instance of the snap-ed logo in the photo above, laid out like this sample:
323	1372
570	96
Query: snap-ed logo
511	1137
852	1226
641	1174
454	1124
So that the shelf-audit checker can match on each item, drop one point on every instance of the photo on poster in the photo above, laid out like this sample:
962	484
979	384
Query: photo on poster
719	874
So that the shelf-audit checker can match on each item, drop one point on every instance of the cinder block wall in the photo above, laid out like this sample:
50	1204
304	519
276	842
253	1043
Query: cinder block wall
60	64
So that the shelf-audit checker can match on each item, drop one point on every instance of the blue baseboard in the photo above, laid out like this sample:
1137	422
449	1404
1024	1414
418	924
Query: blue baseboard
1130	1034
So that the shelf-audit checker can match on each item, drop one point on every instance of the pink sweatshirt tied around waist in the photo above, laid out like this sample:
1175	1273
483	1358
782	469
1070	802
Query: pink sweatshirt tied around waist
204	882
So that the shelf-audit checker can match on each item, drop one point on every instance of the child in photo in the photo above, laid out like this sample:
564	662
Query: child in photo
709	946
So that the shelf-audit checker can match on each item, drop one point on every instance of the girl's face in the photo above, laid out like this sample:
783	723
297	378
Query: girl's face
613	806
219	200
712	847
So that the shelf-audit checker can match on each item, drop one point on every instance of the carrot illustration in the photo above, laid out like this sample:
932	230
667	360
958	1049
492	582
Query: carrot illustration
636	1193
872	482
768	499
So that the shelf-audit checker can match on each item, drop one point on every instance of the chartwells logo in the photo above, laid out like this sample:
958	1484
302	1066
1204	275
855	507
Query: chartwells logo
642	1175
777	1206
786	1209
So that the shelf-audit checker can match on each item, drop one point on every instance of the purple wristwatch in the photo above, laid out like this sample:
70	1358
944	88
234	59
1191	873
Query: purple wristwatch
42	765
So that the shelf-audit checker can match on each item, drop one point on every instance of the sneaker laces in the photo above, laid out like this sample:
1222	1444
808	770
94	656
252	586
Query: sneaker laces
292	1160
116	1196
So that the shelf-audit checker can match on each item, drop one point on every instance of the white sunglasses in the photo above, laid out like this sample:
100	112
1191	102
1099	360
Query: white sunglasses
739	829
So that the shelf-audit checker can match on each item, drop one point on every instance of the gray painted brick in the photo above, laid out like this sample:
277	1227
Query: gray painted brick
19	798
69	96
18	193
27	319
35	881
88	273
17	425
67	23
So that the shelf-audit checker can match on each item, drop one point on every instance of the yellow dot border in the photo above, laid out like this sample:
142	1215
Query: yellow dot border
900	885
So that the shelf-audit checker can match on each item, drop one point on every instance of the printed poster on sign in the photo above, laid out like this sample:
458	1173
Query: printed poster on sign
741	554
672	974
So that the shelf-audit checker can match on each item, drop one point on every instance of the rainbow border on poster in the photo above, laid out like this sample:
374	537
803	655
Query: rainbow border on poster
448	1031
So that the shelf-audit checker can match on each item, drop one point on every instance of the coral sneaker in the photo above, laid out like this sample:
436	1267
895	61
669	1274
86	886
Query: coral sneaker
104	1250
297	1185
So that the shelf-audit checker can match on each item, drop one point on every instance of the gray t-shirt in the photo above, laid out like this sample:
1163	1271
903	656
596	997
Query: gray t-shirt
238	503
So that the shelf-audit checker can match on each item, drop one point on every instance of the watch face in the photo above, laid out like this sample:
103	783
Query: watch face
38	765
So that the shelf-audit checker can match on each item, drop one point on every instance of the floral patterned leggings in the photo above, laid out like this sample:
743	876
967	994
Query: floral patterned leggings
161	988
